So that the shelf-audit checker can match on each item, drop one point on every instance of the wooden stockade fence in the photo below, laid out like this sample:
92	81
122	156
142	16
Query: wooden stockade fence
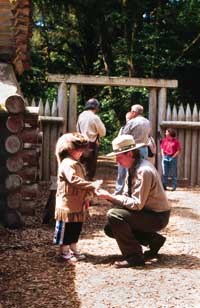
187	124
62	115
52	122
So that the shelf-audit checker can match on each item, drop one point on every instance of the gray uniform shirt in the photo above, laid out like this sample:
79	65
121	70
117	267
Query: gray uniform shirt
139	128
146	190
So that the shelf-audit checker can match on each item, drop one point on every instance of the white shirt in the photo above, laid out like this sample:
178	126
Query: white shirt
91	125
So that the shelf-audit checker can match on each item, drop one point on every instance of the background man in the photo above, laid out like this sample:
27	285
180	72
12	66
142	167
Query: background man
139	127
90	124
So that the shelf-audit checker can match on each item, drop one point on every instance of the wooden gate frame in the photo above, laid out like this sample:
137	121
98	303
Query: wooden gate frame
157	97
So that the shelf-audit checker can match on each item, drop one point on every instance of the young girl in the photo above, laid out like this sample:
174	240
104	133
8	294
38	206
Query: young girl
73	194
170	149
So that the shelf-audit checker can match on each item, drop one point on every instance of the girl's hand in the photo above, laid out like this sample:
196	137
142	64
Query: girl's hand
97	184
103	194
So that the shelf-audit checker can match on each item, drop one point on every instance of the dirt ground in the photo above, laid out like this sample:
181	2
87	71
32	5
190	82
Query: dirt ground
33	276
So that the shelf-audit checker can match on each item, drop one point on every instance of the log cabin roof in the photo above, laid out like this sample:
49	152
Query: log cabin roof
15	33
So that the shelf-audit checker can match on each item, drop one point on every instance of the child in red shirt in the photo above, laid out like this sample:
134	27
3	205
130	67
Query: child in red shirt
170	149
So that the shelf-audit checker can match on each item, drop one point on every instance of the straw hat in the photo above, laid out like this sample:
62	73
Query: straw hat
124	143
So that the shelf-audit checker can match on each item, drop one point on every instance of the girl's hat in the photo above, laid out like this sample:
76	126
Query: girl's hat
124	143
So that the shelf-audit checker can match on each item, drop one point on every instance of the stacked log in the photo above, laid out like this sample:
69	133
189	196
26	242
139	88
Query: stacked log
22	26
6	32
19	155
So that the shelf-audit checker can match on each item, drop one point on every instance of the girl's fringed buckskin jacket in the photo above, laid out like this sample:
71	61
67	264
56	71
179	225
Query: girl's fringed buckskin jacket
72	191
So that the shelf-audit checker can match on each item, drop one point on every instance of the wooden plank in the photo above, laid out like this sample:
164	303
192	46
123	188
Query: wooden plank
63	104
72	115
194	151
188	144
181	124
162	103
49	119
181	137
113	81
54	130
153	110
46	151
54	137
32	110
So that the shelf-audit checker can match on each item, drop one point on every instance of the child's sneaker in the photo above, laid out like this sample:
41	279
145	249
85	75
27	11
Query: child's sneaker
76	255
67	256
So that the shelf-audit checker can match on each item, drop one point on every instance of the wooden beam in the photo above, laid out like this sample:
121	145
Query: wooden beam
113	81
181	124
50	119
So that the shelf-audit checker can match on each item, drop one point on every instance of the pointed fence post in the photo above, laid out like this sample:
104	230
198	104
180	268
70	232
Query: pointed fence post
153	110
72	116
180	135
162	102
168	113
54	137
188	144
63	104
33	104
46	144
194	152
198	172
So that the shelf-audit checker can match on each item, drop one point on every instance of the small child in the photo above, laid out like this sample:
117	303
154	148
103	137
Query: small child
72	196
170	149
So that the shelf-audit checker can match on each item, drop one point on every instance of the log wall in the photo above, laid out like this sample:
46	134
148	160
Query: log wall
19	155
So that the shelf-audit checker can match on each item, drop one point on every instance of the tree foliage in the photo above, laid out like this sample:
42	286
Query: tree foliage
149	38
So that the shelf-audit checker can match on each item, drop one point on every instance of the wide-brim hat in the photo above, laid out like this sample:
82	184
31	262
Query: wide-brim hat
124	143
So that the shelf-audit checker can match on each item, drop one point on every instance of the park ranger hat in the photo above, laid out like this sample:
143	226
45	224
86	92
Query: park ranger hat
124	143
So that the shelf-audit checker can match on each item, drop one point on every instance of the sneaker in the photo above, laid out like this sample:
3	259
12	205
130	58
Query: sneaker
66	256
154	248
77	255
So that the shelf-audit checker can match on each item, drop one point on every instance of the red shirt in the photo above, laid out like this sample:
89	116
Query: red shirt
170	146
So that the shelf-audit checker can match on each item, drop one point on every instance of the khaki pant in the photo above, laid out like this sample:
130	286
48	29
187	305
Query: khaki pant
131	229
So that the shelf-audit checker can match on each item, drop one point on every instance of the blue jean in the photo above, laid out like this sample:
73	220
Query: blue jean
121	176
169	167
